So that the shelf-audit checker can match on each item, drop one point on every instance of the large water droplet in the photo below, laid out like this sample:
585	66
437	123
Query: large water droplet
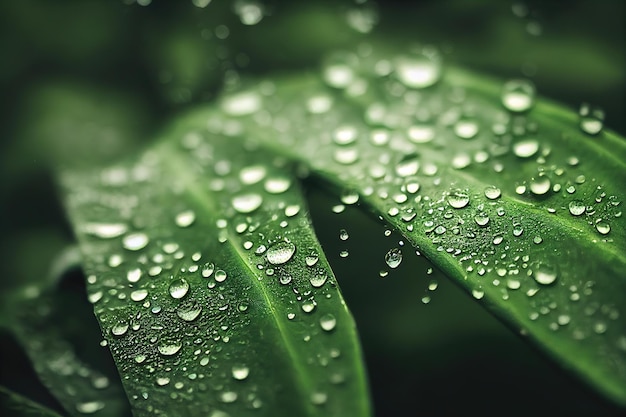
458	199
328	322
318	280
185	218
135	241
418	71
492	192
139	295
277	185
119	329
169	348
603	228
540	185
526	148
247	203
190	311
280	253
576	207
252	174
544	275
591	119
179	288
393	258
518	95
240	372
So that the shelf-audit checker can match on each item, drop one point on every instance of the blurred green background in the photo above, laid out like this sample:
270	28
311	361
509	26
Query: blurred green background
85	81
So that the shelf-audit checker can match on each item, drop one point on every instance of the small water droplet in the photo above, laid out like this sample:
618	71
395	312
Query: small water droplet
119	329
220	275
247	203
185	218
280	253
418	71
328	322
311	260
408	166
544	275
421	133
458	199
576	207
466	129
345	135
319	398
526	148
135	241
240	372
492	192
90	407
343	234
591	119
338	75
169	348
393	258
189	311
179	288
518	95
228	396
603	228
308	306
105	230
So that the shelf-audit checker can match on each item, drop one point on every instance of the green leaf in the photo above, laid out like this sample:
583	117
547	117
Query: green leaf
22	406
516	199
210	287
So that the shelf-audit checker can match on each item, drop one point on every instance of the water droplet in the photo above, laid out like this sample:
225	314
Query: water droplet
478	294
179	288
292	210
526	148
280	253
408	166
346	156
576	207
311	260
458	199
418	71
133	275
338	75
421	133
319	104
540	185
318	280
319	398
185	218
135	241
140	358
328	322
250	13
241	104
591	119
247	203
189	311
308	306
89	407
481	219
518	95
119	329
393	258
252	174
220	275
343	234
345	135
277	185
162	381
105	230
228	396
169	348
603	228
544	275
240	372
492	192
466	129
139	295
461	161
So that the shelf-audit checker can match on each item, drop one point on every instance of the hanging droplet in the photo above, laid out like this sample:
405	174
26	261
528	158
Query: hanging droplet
280	253
393	258
179	288
518	95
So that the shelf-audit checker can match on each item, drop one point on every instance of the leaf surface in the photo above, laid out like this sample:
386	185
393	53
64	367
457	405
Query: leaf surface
518	200
210	287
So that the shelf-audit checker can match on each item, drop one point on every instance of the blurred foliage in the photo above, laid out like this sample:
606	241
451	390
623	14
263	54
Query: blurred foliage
104	74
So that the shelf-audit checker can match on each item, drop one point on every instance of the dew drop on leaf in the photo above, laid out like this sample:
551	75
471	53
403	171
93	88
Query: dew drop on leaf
328	322
458	199
591	119
319	398
179	288
189	312
418	71
576	207
90	407
228	396
169	348
139	295
247	203
133	275
311	260
393	258
185	218
242	104
135	241
421	133
119	329
466	129
540	185
492	192
240	372
345	135
280	253
105	230
544	275
526	148
518	95
318	280
603	228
